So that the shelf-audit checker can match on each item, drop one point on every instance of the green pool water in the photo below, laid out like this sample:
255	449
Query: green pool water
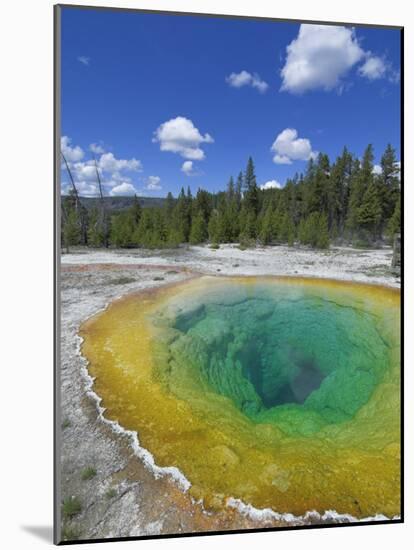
280	356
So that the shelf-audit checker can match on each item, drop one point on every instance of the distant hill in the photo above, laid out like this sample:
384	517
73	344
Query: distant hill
117	204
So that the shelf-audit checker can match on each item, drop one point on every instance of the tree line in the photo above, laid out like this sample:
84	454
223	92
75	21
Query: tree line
346	201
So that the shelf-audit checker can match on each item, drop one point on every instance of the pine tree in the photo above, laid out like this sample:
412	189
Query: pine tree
367	165
95	228
232	216
239	188
333	230
71	234
181	217
362	178
249	230
308	188
394	225
203	203
370	211
230	189
122	230
251	193
144	231
287	229
317	198
169	206
289	194
229	216
355	198
303	235
389	183
174	238
277	219
198	232
135	211
322	239
159	229
214	228
124	227
338	193
314	230
267	227
242	223
389	166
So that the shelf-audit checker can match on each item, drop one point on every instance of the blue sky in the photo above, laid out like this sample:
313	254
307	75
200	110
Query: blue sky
174	101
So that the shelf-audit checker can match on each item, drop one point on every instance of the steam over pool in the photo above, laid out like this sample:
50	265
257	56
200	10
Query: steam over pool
281	392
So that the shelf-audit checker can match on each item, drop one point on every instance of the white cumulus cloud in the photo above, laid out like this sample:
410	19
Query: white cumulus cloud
288	147
113	180
96	148
373	68
244	78
84	170
72	154
153	183
113	171
123	188
187	167
319	58
179	135
109	163
271	184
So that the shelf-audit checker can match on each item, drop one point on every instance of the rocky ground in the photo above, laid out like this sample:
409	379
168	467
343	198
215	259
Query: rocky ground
370	266
106	490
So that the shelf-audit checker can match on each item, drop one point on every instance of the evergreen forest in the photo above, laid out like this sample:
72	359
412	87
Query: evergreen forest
344	202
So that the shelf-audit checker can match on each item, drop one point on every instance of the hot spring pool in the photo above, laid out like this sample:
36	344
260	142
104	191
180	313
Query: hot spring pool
281	392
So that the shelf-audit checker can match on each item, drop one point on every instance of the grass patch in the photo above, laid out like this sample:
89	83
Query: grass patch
88	473
71	507
110	493
246	242
362	244
121	281
70	533
66	424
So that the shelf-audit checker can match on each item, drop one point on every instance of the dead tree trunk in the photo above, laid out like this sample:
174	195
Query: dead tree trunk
78	206
103	213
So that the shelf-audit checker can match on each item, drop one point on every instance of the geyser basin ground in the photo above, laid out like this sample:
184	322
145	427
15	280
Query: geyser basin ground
281	392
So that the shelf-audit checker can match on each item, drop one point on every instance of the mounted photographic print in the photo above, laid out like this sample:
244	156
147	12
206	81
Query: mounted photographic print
228	269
